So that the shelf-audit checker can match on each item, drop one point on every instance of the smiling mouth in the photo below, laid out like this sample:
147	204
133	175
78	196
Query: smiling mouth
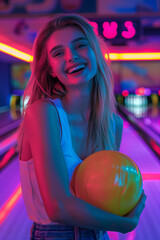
76	69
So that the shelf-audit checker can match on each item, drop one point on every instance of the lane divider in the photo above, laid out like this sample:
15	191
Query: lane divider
10	203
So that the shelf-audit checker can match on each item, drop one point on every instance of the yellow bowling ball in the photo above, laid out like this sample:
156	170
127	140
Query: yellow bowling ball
109	180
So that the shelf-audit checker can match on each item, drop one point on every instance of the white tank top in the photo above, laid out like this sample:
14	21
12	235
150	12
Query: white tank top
30	190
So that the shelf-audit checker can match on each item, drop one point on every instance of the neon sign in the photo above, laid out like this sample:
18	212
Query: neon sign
119	29
130	32
110	30
95	27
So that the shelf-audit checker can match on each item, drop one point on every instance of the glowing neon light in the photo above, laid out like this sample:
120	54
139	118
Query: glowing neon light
155	146
125	93
4	143
15	53
10	203
140	91
150	176
159	92
110	30
95	26
7	157
130	30
133	56
112	56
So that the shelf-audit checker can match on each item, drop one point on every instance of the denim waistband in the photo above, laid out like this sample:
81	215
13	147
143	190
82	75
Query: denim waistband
65	232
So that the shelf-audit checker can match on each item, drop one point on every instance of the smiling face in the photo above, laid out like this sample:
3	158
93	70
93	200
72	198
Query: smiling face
71	57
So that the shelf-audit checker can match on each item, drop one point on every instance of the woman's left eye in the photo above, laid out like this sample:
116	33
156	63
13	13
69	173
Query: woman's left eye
81	45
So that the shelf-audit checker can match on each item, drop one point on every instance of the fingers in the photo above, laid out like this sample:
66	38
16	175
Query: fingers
141	204
143	198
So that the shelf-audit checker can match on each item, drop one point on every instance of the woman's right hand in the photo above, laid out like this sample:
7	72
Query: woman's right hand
136	212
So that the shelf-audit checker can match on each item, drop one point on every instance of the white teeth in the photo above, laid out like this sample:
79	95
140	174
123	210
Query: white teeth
76	68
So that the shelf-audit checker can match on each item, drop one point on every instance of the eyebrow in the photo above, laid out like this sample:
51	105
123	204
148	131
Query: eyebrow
75	40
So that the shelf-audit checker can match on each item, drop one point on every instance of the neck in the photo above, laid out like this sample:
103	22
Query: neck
76	102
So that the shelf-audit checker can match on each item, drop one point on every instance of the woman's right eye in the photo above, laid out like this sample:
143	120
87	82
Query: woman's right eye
57	54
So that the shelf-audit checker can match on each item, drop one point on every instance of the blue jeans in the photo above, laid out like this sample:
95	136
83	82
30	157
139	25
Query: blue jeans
64	232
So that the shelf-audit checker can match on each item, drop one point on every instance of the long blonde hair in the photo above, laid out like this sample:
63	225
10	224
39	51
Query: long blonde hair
42	85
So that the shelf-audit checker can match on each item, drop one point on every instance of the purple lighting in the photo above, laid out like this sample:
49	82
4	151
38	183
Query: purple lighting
147	92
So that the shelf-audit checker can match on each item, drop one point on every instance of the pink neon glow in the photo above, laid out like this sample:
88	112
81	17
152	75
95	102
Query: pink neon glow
125	93
7	157
8	140
131	235
110	30
125	124
140	91
134	56
150	176
113	235
10	203
130	30
159	92
95	26
15	53
155	146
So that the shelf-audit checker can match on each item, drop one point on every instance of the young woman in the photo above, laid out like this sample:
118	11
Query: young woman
70	114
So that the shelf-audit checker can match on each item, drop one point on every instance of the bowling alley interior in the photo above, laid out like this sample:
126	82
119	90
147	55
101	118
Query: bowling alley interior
131	30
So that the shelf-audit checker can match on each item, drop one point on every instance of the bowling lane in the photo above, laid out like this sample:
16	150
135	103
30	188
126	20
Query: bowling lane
152	119
133	146
9	122
17	225
146	113
8	117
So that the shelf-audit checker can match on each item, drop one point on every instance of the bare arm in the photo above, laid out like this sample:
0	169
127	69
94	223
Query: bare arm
42	129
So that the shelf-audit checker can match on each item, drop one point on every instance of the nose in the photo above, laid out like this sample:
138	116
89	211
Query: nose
71	55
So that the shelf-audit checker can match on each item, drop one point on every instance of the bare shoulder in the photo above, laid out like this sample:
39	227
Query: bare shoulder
39	106
42	112
42	124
